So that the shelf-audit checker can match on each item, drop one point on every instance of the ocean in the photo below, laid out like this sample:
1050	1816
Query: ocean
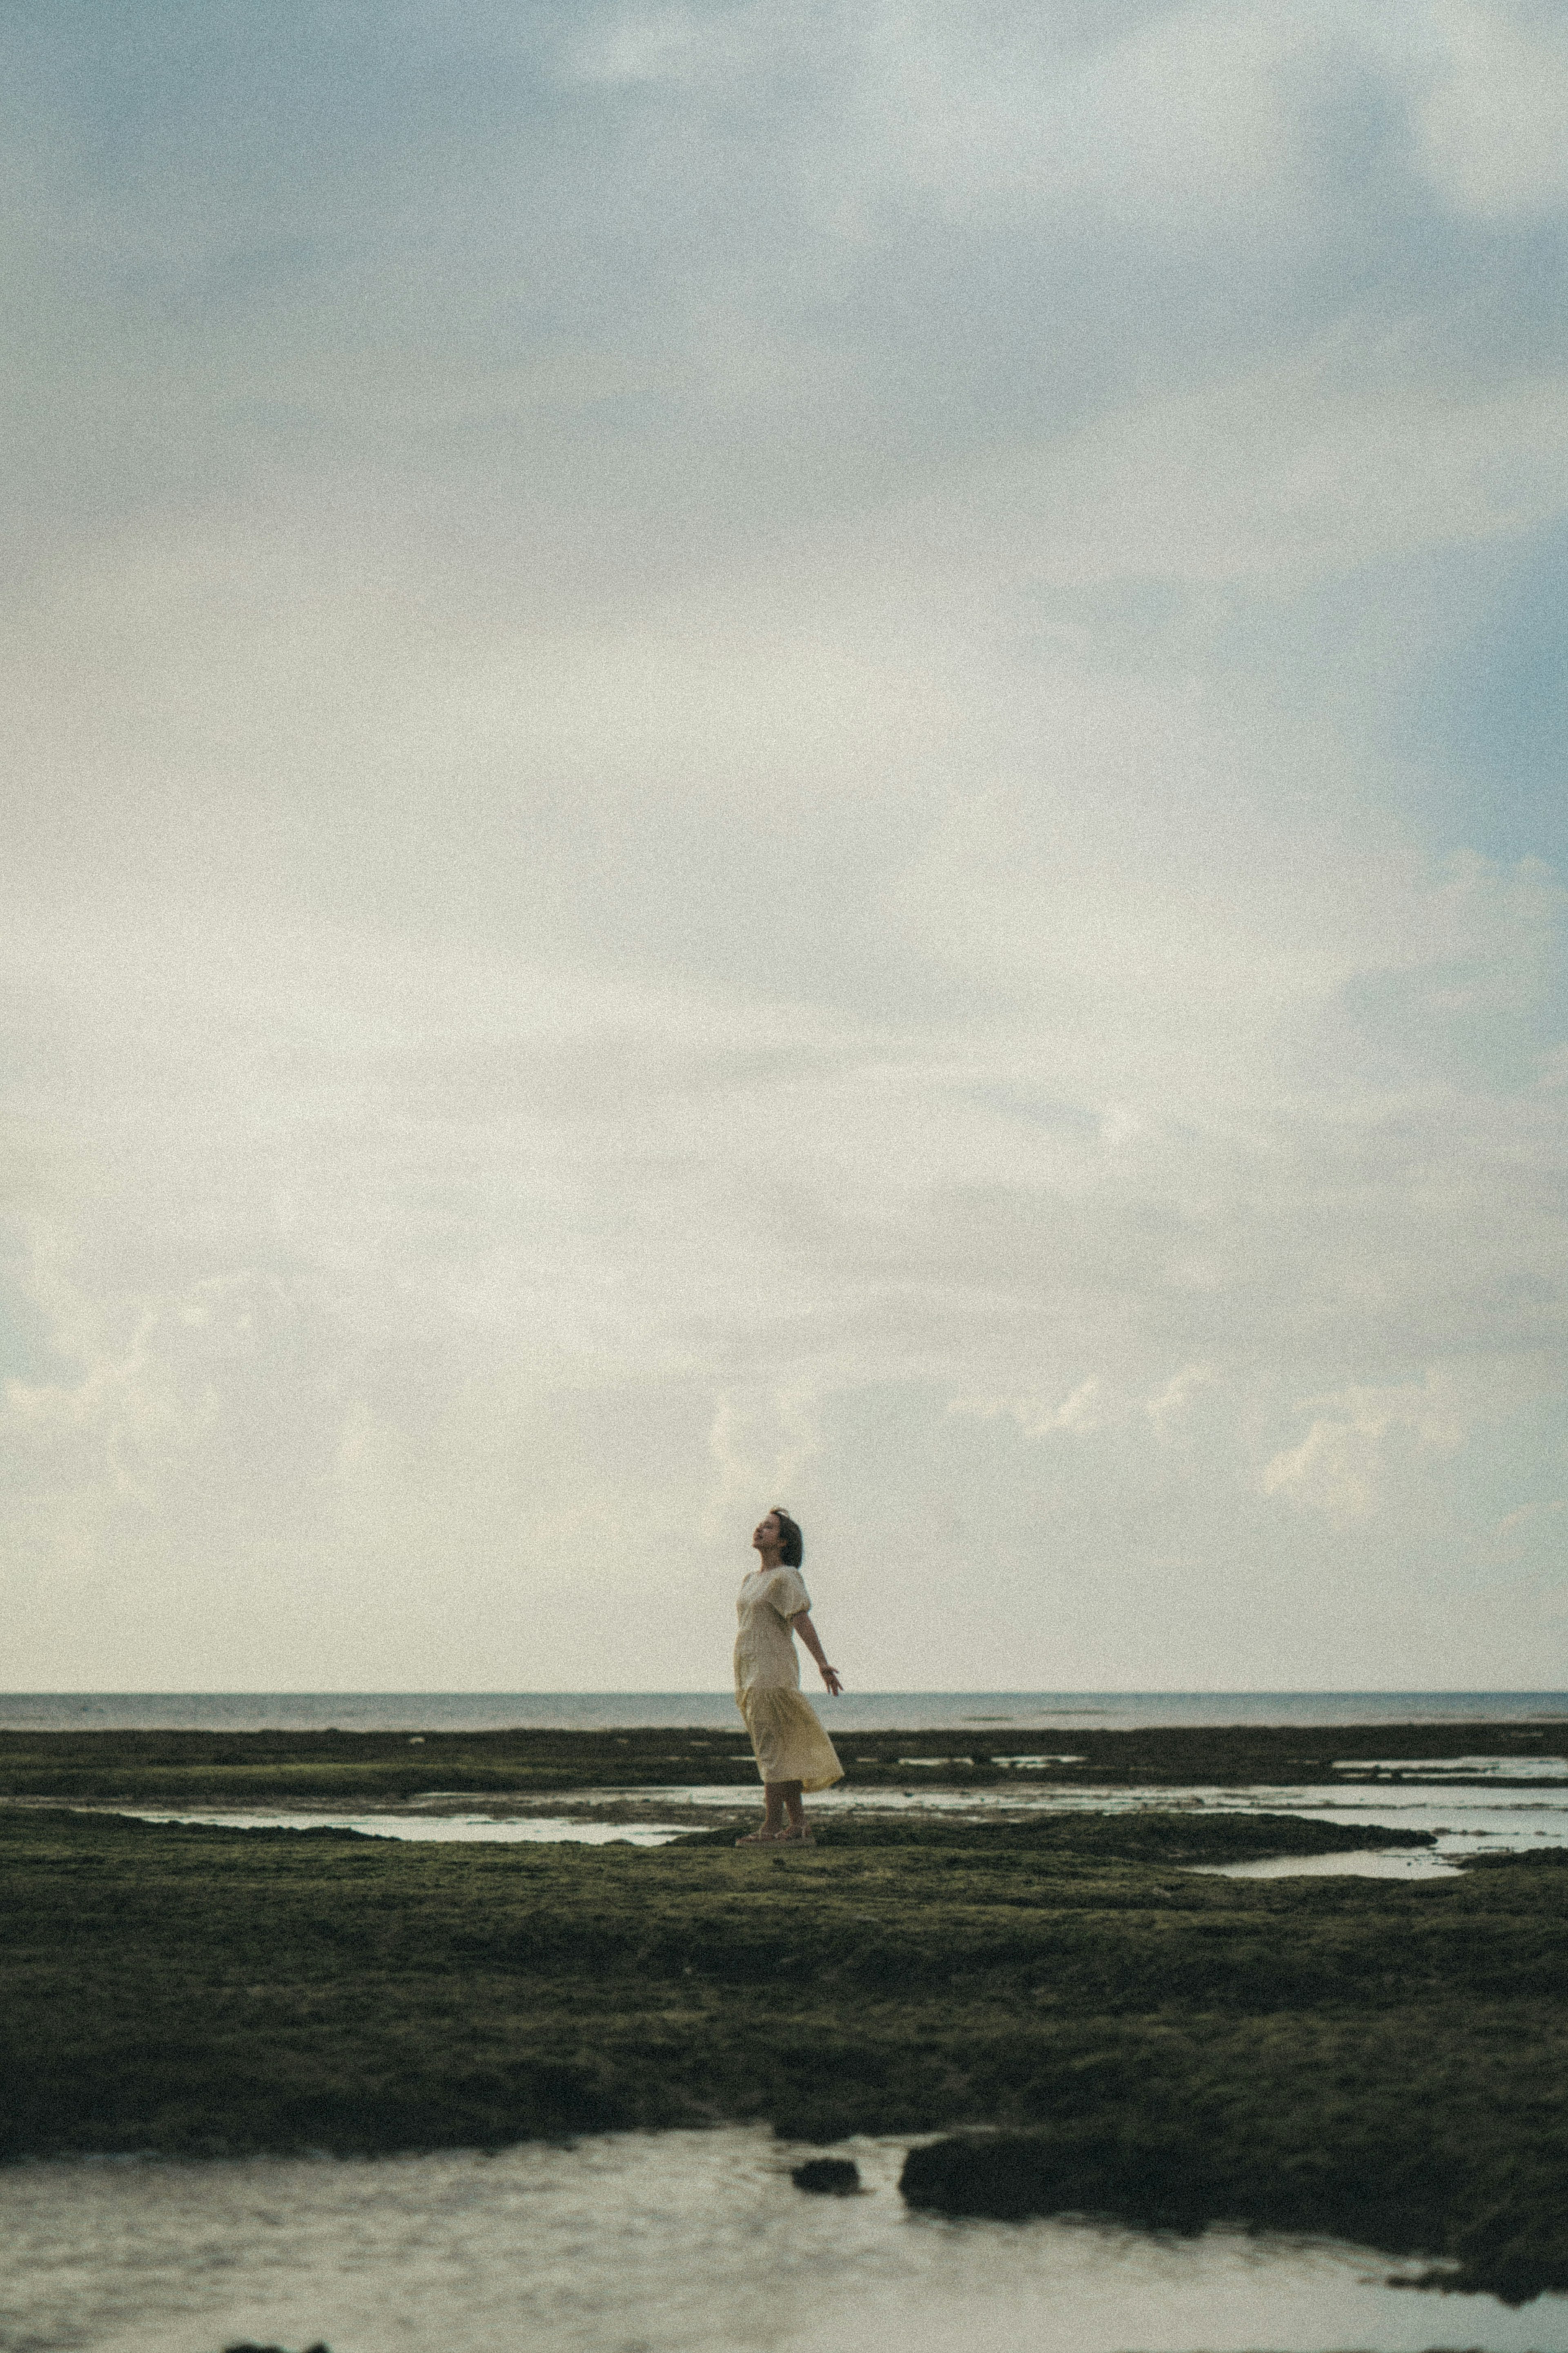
854	1712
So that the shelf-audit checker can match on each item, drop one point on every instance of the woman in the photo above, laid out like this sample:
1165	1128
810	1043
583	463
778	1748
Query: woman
793	1752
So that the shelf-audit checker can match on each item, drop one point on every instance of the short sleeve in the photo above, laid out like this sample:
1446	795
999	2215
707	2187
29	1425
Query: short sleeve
787	1593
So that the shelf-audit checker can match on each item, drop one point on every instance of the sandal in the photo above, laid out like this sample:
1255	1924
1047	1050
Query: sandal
762	1838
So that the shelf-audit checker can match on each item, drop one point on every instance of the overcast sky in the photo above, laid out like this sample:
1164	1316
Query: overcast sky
763	752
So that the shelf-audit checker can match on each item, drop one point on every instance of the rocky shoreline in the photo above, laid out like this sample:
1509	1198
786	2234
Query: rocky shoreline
1091	2021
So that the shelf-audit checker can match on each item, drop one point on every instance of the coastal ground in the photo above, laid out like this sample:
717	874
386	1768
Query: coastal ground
1387	2060
219	1768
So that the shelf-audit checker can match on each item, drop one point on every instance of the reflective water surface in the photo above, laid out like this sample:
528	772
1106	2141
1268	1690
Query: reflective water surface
677	2242
1465	1821
496	1829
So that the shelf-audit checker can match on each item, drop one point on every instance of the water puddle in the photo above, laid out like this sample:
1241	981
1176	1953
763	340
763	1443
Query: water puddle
1463	1823
1464	1820
1038	1763
540	1829
1459	1769
674	2243
1351	1863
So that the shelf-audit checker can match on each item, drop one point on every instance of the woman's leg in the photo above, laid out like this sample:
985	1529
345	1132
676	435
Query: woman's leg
784	1800
774	1799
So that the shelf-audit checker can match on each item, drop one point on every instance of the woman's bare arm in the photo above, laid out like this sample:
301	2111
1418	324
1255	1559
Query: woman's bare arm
801	1624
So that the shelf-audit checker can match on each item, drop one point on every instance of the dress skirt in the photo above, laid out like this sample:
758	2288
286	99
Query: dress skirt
789	1742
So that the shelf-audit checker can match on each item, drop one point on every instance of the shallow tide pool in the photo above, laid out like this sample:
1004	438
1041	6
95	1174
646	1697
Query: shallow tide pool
676	2242
1464	1820
544	1829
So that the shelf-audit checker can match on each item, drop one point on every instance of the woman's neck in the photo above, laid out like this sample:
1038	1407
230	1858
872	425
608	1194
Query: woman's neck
768	1559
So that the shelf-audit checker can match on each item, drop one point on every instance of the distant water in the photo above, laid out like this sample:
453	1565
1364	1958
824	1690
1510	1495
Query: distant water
855	1711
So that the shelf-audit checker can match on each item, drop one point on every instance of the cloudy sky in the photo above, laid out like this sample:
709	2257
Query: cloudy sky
766	751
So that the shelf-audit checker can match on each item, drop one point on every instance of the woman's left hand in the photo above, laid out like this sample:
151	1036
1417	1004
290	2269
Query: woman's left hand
831	1677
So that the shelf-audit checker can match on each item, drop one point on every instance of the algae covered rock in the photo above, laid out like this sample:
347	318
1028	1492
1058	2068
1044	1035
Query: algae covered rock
1496	2225
1009	2175
834	2177
272	2348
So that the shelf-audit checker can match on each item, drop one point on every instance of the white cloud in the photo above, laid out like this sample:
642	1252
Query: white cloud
758	1444
1491	122
1169	1409
639	45
1182	112
1089	1406
1339	456
1340	1465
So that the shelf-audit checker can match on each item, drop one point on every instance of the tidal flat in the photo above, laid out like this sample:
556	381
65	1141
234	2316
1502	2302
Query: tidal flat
1091	2023
328	1767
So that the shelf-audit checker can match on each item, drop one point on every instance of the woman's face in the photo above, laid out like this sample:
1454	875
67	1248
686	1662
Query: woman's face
767	1536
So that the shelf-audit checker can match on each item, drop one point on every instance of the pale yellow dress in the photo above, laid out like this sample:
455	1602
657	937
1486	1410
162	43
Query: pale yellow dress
789	1742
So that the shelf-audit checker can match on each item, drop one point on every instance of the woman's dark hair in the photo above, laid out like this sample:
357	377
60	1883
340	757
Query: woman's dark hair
792	1544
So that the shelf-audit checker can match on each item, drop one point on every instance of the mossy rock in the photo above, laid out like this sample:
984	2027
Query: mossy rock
832	2177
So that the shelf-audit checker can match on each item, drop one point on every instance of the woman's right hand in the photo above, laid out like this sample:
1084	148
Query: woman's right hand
831	1677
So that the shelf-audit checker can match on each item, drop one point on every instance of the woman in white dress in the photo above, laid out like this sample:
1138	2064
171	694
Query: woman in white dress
793	1752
